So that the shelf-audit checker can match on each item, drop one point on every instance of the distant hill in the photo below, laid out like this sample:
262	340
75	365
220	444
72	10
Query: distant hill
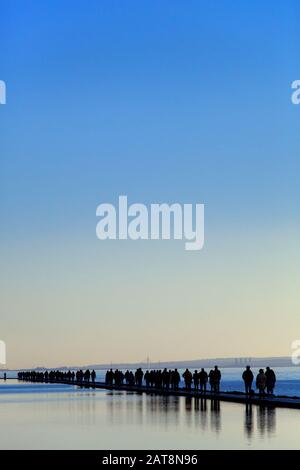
196	363
221	362
193	363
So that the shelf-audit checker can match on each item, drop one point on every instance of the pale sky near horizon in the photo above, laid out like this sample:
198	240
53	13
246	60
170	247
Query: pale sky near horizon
163	102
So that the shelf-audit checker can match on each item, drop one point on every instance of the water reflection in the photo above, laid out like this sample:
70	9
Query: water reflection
92	419
266	420
197	413
163	411
215	416
203	413
248	423
166	411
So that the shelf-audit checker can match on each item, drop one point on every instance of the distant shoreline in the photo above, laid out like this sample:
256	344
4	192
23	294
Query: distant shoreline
284	361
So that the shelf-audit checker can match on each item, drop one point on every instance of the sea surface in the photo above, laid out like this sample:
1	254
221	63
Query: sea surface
57	416
288	379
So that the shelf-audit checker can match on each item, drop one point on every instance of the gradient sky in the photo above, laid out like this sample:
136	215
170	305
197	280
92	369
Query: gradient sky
173	101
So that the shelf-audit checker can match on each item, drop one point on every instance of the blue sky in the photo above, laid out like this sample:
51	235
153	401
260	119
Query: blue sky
165	102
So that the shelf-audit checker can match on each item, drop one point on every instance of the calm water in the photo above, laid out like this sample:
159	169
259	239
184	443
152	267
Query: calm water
48	416
288	379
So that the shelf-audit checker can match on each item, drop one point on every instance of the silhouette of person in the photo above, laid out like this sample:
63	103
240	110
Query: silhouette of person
214	380
211	380
147	378
196	380
176	379
81	374
164	377
139	374
248	379
168	379
117	377
217	377
87	375
131	378
261	380
187	379
270	380
126	377
203	377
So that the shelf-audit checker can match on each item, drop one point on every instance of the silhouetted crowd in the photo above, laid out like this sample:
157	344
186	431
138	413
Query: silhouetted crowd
58	376
160	379
265	381
198	381
166	379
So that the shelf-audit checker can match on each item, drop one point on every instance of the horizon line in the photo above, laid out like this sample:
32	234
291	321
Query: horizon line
161	362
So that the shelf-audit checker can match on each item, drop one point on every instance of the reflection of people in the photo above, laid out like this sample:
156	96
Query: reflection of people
248	426
203	404
271	419
248	379
188	403
266	419
203	413
215	415
261	380
271	380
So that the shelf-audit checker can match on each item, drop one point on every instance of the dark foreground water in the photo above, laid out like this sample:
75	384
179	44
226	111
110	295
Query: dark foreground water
49	416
